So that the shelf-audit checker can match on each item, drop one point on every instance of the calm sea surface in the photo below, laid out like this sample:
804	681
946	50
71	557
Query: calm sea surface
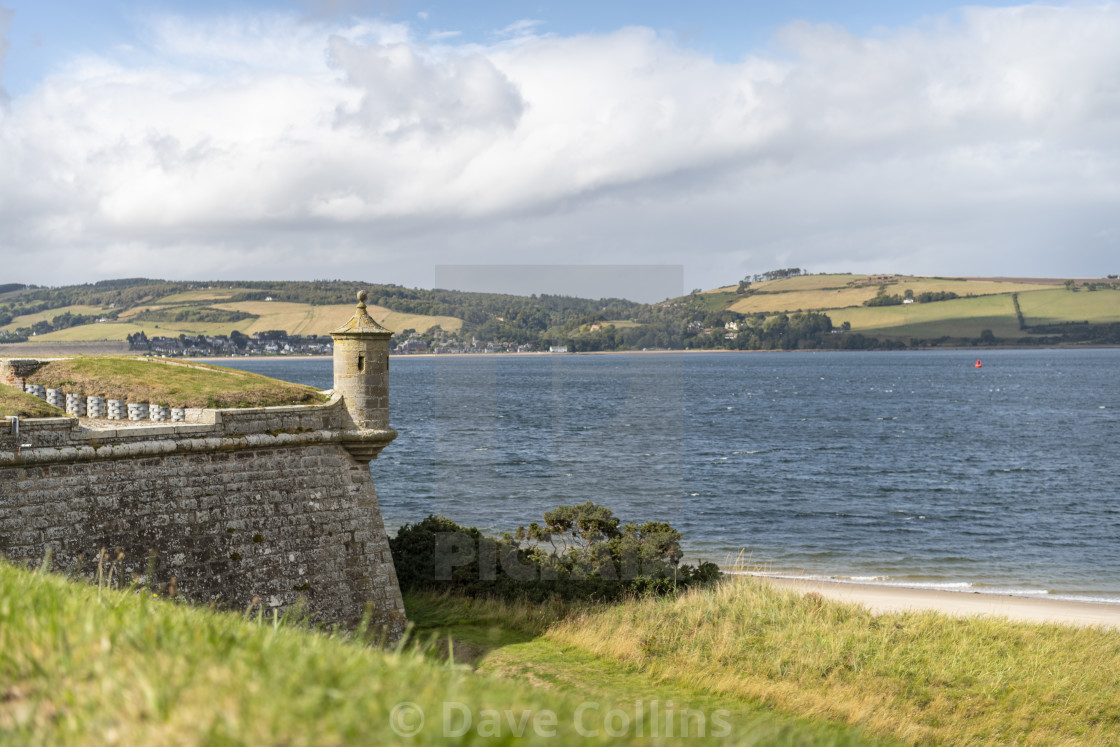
908	468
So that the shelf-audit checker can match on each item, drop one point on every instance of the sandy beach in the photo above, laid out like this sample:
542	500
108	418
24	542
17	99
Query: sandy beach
881	599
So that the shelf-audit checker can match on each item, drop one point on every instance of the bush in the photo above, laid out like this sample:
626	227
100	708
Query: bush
579	552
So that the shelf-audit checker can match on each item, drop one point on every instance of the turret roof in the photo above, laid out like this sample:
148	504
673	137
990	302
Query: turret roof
361	324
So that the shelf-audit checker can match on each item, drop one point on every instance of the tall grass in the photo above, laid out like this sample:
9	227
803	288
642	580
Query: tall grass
83	664
919	677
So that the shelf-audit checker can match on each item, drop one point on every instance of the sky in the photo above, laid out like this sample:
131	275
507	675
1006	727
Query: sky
403	141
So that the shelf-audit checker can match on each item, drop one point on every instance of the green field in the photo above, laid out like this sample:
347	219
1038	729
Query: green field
1055	306
962	317
983	304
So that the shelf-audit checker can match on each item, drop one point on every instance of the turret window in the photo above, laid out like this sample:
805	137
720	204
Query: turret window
361	363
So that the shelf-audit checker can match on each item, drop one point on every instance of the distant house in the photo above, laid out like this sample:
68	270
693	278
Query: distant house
558	349
908	300
412	346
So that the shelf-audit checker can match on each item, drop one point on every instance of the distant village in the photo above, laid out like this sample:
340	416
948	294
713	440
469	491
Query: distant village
279	343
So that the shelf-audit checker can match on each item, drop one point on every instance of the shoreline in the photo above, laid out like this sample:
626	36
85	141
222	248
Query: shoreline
881	599
717	351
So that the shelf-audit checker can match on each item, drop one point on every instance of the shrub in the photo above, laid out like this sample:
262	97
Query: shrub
579	552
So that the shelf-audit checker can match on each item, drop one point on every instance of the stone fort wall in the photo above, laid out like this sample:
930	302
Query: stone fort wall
265	503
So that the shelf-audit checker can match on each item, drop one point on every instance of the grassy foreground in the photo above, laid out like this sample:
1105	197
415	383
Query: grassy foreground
917	678
86	665
172	383
79	665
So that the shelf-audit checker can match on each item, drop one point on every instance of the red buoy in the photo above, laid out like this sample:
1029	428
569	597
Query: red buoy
979	364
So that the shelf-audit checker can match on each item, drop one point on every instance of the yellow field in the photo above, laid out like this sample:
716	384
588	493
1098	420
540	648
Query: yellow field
45	316
806	282
208	294
301	319
962	287
119	331
807	300
1052	306
295	318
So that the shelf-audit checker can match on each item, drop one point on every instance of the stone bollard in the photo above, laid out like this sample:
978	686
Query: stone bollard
37	390
76	405
178	415
95	407
115	409
137	411
159	413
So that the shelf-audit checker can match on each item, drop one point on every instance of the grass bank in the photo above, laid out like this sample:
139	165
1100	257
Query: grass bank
82	665
172	383
15	402
917	677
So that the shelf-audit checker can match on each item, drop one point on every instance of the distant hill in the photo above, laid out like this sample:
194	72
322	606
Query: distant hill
782	309
1021	310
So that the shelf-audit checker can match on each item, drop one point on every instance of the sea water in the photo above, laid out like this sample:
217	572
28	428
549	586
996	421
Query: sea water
899	468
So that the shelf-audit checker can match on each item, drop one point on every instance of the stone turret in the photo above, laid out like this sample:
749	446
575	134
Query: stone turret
361	368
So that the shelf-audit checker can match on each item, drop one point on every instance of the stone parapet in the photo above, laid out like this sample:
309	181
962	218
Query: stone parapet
274	504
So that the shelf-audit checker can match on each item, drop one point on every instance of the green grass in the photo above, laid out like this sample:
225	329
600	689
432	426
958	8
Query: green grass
83	665
15	402
760	651
918	677
1056	306
511	641
961	317
173	383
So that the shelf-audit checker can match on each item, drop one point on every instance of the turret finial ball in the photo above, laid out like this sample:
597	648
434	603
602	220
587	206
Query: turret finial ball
362	296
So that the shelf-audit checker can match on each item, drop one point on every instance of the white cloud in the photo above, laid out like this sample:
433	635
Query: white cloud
523	27
5	24
266	146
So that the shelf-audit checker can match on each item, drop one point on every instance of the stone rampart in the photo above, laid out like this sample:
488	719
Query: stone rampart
273	503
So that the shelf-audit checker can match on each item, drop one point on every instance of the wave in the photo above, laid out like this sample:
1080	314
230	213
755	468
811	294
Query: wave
1104	597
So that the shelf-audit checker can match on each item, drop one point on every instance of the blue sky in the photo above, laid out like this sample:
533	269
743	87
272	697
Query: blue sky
46	33
257	139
